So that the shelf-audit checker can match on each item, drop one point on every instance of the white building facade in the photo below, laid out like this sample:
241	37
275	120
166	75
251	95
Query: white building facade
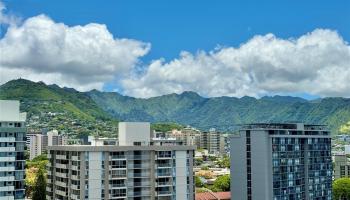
136	169
12	143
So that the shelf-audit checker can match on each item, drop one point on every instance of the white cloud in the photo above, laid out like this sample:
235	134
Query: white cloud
84	57
317	63
6	18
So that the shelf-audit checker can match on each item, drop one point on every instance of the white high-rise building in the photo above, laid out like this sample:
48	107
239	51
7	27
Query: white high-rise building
12	143
34	144
139	168
37	142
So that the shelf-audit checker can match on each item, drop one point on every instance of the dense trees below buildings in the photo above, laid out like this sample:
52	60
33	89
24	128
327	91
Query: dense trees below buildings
341	189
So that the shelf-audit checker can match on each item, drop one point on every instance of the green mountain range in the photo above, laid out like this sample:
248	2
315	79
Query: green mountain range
225	113
188	108
52	107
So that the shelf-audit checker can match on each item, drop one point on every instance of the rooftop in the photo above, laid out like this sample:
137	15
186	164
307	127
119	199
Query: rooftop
287	126
213	196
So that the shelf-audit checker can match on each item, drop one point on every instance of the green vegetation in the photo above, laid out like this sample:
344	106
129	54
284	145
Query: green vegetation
64	109
198	161
198	182
166	126
341	189
223	113
96	112
224	162
33	169
221	184
39	191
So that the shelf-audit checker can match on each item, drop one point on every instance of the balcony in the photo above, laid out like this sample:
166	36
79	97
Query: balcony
75	158
75	177
138	166
117	176
61	193
62	184
62	175
61	157
138	175
75	187
138	193
165	174
164	184
139	184
163	157
74	196
7	178
3	169
163	193
7	188
116	186
62	166
164	165
118	157
7	139
139	157
7	159
7	149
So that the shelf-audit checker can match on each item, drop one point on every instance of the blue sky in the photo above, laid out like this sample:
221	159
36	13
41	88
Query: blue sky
171	27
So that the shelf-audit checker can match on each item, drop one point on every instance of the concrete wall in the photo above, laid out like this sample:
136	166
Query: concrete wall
130	132
347	149
95	175
181	175
238	167
261	153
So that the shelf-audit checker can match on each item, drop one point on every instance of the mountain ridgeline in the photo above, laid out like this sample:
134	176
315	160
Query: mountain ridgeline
188	108
225	113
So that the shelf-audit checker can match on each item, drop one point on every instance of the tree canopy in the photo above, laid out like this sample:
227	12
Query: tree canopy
341	189
221	184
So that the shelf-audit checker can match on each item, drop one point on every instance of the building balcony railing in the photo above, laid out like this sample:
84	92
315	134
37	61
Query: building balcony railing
163	193
138	166
137	175
139	157
163	184
138	193
117	185
61	157
139	184
7	159
62	175
163	165
117	157
117	176
168	174
62	166
75	158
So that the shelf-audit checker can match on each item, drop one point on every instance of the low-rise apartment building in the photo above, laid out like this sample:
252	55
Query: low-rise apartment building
341	166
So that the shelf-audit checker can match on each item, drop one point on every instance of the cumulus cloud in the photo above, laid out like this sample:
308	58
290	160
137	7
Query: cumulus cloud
84	57
317	63
6	18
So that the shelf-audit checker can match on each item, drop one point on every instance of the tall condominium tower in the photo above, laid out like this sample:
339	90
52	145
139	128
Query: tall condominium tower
12	142
137	168
281	161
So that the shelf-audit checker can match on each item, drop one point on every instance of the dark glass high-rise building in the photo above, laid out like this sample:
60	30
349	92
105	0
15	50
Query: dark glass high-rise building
281	162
